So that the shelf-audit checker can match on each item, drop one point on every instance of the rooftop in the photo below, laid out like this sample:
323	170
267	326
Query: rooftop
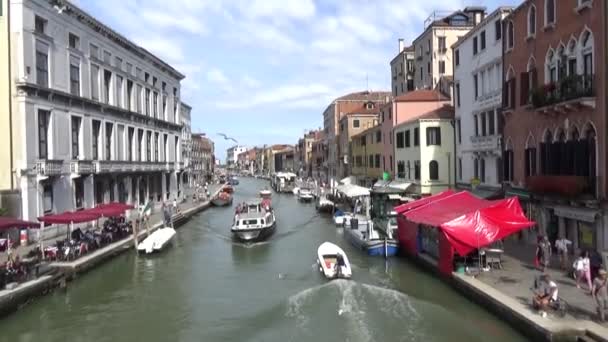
366	96
443	112
422	95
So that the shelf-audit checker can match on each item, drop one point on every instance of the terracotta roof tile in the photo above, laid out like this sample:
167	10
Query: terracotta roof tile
422	96
366	96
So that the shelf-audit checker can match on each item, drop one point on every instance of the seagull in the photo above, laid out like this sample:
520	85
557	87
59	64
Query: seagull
227	137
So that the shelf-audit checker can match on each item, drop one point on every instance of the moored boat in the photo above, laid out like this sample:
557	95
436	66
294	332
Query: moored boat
333	262
222	199
157	241
305	195
361	233
340	217
322	204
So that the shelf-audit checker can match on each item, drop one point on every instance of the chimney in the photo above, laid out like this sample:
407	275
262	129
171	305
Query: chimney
401	45
477	13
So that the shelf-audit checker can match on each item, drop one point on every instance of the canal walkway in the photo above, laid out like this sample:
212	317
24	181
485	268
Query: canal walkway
10	299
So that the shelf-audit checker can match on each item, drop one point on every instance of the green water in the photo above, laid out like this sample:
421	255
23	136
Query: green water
208	288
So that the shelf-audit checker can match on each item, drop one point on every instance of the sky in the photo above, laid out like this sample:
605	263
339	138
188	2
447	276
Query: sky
263	71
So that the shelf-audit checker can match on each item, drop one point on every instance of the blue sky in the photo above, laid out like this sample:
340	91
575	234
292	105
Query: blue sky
263	71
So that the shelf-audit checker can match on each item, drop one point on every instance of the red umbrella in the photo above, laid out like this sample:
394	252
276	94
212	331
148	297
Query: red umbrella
10	222
70	217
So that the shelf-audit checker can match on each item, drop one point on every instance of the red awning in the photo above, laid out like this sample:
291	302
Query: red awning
69	217
470	222
423	201
110	209
10	222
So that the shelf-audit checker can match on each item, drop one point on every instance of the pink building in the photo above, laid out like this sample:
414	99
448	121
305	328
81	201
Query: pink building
401	109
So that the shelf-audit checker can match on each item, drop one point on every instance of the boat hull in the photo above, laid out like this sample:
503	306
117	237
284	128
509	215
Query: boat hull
253	234
157	241
373	247
306	199
221	202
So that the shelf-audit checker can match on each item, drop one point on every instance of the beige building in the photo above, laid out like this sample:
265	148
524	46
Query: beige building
424	151
353	123
331	119
433	47
402	70
366	152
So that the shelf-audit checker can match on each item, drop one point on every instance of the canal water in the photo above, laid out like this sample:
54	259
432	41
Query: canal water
209	288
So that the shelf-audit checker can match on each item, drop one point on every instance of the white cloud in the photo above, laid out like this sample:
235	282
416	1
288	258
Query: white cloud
168	20
297	9
163	47
250	82
283	95
217	76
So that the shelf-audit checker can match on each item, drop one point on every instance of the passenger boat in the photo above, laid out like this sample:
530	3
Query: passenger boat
323	204
333	262
157	241
222	199
255	221
361	234
305	195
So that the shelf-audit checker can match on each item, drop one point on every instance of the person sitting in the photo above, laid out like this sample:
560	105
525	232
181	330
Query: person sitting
548	295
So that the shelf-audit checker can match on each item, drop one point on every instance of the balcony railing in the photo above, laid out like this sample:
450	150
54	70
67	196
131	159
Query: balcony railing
81	167
569	186
486	143
49	167
574	87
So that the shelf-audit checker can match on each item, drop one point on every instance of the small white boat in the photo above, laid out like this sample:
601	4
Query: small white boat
323	204
296	191
305	195
341	217
157	240
265	193
333	262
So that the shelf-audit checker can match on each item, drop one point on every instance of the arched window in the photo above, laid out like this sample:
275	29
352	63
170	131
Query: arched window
550	67
570	154
482	170
559	157
545	153
530	156
572	60
508	161
586	43
531	21
510	35
549	12
433	170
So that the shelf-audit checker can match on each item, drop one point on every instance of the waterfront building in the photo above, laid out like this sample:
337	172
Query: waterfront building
367	148
424	151
331	119
94	117
304	153
202	158
319	157
232	154
401	109
477	59
353	123
554	150
432	48
246	161
186	140
283	157
402	70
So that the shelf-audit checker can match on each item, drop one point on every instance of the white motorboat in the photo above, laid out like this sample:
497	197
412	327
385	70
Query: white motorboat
157	240
305	195
255	221
333	262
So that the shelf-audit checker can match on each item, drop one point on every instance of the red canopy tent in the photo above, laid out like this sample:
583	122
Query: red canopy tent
110	209
423	201
9	222
69	217
465	223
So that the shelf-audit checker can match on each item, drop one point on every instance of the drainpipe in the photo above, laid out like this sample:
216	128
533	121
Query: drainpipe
10	94
453	123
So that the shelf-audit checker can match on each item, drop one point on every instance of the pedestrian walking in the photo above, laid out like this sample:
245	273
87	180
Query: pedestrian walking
561	245
600	294
166	215
175	205
583	267
543	253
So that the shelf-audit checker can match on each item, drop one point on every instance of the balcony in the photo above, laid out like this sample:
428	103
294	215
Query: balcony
81	167
568	94
486	143
569	186
48	167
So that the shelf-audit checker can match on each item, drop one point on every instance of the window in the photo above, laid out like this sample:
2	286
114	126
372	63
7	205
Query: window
428	46
531	21
44	117
118	102
147	101
530	161
129	69
371	161
442	45
491	123
378	137
417	169
111	186
93	51
457	57
475	123
433	136
498	29
460	168
164	112
155	105
140	144
441	67
476	168
148	146
549	12
407	138
118	63
428	68
94	82
74	75
475	86
109	129
510	35
138	98
154	81
483	124
79	193
400	169
40	25
146	77
457	89
130	134
400	139
416	137
95	140
76	121
42	64
356	123
157	146
73	41
107	78
377	158
130	95
482	170
474	45
421	73
107	57
47	197
433	170
458	131
508	165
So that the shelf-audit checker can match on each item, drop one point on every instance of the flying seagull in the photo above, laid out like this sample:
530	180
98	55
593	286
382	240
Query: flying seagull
227	137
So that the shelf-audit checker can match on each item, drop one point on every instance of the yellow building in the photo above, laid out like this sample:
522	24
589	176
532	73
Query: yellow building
367	149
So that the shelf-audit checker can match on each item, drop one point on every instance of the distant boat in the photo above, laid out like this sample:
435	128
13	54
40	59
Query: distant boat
157	241
333	262
305	195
